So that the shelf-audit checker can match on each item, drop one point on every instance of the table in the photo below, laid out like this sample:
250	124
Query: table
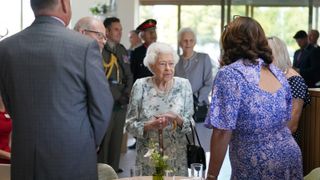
310	137
150	178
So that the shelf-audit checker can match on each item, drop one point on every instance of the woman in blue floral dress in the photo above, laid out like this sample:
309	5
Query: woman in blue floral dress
250	108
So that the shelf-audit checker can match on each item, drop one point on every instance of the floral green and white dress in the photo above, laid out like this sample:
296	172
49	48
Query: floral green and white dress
145	102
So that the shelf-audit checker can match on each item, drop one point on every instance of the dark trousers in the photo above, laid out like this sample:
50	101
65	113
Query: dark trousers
111	144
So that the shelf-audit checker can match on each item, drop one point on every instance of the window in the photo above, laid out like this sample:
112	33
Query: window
167	21
10	17
204	20
15	15
283	22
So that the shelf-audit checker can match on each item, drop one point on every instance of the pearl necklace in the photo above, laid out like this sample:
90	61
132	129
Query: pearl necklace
165	91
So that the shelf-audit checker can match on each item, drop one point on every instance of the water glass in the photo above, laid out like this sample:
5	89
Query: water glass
136	171
170	174
196	171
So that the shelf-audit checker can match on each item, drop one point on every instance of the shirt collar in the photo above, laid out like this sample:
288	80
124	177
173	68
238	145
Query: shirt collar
58	20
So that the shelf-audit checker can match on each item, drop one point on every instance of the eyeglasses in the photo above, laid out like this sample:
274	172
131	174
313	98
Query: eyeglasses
163	64
100	35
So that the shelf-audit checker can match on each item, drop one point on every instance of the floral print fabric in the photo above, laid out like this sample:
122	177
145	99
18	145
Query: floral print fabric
147	102
261	146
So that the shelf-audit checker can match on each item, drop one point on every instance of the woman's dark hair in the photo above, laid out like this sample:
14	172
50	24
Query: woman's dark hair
244	38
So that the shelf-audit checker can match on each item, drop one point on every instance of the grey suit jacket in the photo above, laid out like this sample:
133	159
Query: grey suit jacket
53	85
198	70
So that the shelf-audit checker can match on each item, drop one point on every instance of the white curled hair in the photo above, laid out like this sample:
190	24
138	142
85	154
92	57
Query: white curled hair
153	52
186	30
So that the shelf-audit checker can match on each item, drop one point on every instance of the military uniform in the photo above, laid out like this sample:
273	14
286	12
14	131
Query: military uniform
137	67
117	70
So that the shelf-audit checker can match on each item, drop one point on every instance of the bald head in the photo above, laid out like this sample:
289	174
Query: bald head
92	28
313	36
57	8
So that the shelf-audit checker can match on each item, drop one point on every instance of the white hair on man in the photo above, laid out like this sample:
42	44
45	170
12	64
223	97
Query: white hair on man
186	30
154	50
85	23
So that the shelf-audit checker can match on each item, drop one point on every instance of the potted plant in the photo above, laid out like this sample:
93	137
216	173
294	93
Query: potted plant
159	161
99	9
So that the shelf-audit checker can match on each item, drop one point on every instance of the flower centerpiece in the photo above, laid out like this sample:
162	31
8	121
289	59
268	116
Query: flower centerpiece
99	9
159	161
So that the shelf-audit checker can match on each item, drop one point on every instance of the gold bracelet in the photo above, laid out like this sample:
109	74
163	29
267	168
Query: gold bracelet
210	176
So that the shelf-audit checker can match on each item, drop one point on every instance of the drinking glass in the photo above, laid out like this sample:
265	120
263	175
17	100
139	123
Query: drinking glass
170	174
136	171
197	171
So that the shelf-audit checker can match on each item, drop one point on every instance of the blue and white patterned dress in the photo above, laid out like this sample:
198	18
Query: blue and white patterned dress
299	90
146	102
261	146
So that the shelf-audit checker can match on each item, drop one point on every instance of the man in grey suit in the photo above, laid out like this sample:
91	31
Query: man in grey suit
53	85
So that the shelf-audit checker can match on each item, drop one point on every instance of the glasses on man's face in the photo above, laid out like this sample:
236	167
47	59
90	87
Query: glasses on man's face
100	35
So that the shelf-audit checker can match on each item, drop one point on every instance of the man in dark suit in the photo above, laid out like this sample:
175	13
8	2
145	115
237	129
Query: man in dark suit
303	53
310	69
53	85
148	34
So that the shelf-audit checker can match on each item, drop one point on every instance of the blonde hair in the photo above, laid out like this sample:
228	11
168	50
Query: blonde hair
280	53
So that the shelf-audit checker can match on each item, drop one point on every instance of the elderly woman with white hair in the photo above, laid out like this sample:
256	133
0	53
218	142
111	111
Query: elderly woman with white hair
161	102
197	68
299	89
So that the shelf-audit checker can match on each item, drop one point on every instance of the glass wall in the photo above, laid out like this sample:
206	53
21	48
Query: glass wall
167	21
204	20
283	22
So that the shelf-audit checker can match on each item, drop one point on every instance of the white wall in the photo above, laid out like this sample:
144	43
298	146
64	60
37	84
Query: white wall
126	11
80	8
